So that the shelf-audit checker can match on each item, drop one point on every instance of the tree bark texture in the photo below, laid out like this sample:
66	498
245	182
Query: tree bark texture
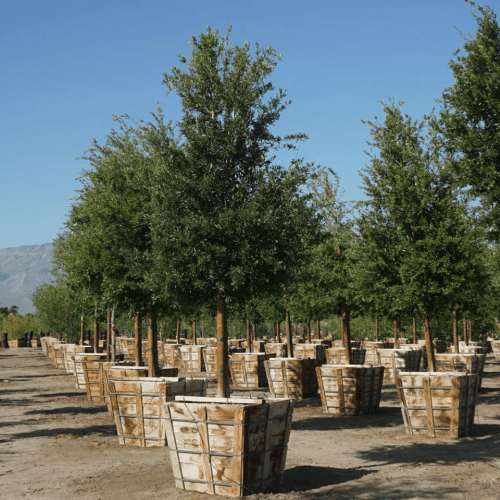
429	344
455	332
289	339
108	336
222	358
346	336
138	341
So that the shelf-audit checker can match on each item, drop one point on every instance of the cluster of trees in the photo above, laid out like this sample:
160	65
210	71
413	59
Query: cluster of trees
198	217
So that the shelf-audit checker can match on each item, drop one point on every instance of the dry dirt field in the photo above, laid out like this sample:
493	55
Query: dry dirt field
55	446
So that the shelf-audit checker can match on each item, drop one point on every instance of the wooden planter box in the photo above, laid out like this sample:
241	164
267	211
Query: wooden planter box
437	404
124	371
130	347
137	406
234	447
172	355
309	351
471	363
292	378
58	355
395	360
257	346
248	371
439	345
327	343
337	356
14	344
234	343
423	357
192	358
209	355
69	356
79	359
350	389
278	350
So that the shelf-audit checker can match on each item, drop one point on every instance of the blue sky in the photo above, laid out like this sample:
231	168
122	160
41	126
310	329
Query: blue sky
67	67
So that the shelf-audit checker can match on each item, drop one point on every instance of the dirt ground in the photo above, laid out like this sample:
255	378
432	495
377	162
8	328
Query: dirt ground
54	446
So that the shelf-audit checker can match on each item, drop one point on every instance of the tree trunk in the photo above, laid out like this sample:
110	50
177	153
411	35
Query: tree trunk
82	330
138	341
249	336
194	331
108	336
308	326
470	330
396	333
466	340
414	330
96	335
153	370
113	337
455	332
289	340
254	331
318	329
377	328
222	360
178	332
279	331
429	344
346	335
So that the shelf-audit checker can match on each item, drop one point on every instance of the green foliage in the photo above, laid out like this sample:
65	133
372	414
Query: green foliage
227	218
107	249
327	282
419	251
55	311
469	119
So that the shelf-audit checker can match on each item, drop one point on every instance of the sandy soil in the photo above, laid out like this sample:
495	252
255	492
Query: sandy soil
53	445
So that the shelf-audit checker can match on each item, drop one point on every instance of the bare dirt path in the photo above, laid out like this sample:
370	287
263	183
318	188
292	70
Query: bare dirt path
55	446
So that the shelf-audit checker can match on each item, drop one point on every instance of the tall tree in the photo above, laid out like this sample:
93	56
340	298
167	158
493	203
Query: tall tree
418	244
237	222
469	119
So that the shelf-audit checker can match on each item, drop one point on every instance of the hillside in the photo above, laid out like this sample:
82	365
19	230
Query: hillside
22	269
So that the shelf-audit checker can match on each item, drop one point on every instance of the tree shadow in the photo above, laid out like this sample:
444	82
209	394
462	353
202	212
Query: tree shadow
103	430
26	377
62	395
310	477
70	410
439	452
384	417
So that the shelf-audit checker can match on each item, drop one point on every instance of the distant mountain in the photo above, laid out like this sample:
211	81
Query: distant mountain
22	269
